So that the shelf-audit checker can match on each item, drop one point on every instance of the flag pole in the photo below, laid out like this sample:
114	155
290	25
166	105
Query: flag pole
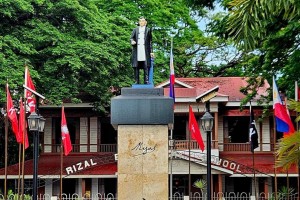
274	143
297	129
288	184
194	131
171	138
6	144
190	182
253	138
171	163
19	173
61	164
254	177
61	170
253	159
23	136
287	171
23	156
20	157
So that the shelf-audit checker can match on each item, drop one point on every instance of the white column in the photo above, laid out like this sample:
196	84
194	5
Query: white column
254	182
223	183
94	192
48	189
270	188
78	188
101	188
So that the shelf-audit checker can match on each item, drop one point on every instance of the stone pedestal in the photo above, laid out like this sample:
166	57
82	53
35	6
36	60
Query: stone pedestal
142	118
143	162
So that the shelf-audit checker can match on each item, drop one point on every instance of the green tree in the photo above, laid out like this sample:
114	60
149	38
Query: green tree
268	33
81	48
69	46
250	22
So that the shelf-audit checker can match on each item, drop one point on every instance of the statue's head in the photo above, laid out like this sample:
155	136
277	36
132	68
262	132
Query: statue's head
142	21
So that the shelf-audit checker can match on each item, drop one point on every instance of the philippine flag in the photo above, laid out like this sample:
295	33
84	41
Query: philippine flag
283	120
172	77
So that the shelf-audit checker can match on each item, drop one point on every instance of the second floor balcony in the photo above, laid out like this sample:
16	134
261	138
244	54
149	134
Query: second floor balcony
178	145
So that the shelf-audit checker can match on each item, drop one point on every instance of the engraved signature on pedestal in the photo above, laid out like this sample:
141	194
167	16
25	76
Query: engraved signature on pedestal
141	149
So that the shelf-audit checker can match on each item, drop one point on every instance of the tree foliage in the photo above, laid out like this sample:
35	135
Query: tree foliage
268	33
70	47
77	48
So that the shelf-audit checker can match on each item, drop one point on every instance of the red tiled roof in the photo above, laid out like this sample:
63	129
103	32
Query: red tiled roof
228	86
49	164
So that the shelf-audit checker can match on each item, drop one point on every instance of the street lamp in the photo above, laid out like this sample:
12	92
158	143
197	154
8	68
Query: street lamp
207	122
36	124
33	121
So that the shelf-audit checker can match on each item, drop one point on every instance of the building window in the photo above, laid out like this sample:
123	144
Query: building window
236	129
107	131
179	132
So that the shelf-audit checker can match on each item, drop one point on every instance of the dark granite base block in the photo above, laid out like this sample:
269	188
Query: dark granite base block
142	107
143	86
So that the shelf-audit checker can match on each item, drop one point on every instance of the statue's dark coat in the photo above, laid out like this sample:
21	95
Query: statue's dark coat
148	46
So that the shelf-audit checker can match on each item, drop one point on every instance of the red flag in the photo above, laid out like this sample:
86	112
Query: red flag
29	96
194	129
11	113
23	125
65	136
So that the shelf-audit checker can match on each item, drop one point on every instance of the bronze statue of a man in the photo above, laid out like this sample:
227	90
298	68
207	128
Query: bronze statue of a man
141	41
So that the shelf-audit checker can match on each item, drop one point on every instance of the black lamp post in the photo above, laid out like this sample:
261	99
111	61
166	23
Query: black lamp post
36	124
207	122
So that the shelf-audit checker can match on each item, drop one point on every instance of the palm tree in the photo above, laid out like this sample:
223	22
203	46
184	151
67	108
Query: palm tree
288	152
289	147
250	21
200	184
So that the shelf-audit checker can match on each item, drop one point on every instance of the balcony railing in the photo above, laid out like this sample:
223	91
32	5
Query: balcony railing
179	145
184	145
81	148
237	146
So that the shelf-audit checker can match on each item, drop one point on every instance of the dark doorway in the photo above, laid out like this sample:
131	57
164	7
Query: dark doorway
238	128
179	128
69	186
108	133
242	185
110	185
